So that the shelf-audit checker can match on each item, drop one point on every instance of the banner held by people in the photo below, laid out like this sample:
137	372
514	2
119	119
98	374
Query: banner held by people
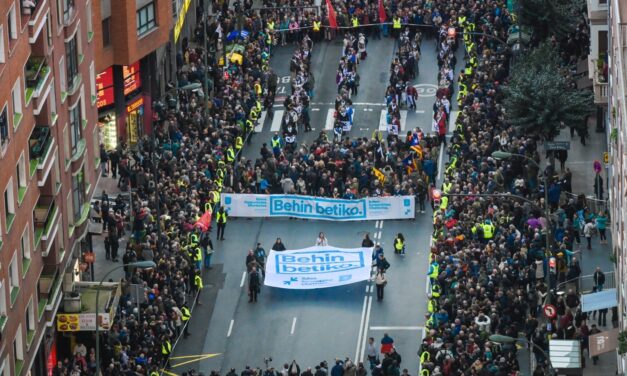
329	209
317	267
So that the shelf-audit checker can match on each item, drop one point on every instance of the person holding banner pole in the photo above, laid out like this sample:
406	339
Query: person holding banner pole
254	285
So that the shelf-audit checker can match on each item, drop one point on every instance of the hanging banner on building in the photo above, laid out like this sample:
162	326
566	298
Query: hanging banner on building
309	207
317	267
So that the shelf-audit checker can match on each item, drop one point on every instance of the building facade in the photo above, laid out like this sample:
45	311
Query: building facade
617	114
128	36
49	170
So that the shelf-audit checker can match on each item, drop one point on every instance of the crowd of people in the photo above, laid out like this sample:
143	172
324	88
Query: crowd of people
488	262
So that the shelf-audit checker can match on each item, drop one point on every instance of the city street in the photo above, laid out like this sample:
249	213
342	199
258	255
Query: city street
316	325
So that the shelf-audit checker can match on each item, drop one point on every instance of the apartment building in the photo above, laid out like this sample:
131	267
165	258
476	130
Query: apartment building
617	139
128	35
48	170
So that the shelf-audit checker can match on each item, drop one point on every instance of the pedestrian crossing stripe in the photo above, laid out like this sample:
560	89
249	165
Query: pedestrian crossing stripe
261	121
452	120
277	120
328	125
383	123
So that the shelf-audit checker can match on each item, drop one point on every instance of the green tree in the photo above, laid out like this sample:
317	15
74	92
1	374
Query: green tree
549	17
540	95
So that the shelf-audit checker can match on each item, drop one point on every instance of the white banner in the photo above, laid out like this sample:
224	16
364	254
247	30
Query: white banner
317	267
308	207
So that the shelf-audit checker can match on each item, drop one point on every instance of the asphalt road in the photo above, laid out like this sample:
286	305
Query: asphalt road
322	324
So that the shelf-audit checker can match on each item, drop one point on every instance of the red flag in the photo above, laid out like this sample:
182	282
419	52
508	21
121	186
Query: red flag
204	223
382	15
332	19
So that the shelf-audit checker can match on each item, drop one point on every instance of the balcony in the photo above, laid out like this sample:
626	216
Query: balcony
600	84
72	86
50	282
45	217
69	16
36	17
37	74
41	147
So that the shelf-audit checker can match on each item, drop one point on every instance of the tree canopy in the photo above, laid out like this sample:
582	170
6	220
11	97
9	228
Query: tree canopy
540	95
549	17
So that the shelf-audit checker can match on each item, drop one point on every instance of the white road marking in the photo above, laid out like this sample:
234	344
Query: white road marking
315	109
422	337
293	326
328	124
427	285
397	328
261	121
403	119
361	327
420	111
277	120
379	234
377	224
383	123
440	160
228	334
452	120
366	325
241	284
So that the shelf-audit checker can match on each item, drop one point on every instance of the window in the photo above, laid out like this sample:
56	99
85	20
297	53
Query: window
90	27
62	77
48	31
68	10
3	304
25	244
146	19
92	81
106	36
30	317
14	279
1	44
18	350
4	127
70	210
75	127
9	205
21	171
78	194
66	141
16	95
12	23
71	55
3	368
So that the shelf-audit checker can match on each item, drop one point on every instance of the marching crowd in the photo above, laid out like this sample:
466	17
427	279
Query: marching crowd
488	262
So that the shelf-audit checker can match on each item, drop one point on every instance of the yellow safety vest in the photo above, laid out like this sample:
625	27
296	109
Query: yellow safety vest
461	20
355	22
198	282
316	25
221	217
238	143
215	198
257	89
276	143
396	23
488	231
230	154
436	271
435	291
444	203
398	244
446	187
271	25
425	357
186	314
166	348
198	256
431	306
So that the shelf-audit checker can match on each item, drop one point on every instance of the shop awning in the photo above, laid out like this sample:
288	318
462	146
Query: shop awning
599	300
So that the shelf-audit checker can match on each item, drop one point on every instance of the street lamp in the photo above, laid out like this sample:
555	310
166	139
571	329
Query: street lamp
505	155
138	264
499	338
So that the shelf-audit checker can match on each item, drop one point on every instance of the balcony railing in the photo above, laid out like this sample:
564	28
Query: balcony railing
36	73
41	145
44	217
34	11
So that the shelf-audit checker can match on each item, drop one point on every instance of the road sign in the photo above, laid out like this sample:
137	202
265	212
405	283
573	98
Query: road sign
606	159
603	342
549	311
557	145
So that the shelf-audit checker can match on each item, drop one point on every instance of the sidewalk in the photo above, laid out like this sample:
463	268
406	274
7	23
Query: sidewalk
102	266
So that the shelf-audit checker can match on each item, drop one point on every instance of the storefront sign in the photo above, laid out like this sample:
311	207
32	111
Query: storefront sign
135	105
82	322
180	20
68	322
104	87
132	80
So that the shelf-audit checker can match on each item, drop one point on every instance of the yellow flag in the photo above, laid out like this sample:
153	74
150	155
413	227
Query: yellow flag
379	174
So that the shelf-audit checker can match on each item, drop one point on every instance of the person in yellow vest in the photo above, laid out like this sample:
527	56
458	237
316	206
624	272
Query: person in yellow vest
230	154
488	230
434	272
399	244
221	218
396	26
238	143
355	22
166	350
250	126
197	256
446	187
198	286
435	290
186	314
317	34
